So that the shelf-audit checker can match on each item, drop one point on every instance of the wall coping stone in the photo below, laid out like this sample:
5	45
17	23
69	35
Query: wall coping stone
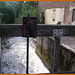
67	42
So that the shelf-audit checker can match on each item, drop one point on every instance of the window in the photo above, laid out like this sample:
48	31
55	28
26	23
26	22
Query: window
73	15
53	15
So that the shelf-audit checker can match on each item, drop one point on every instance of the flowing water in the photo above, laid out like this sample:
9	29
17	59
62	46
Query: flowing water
14	57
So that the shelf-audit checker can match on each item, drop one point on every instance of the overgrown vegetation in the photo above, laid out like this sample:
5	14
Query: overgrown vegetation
9	10
30	7
1	15
7	13
58	22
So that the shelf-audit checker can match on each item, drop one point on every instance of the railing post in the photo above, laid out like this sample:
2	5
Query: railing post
0	55
56	54
27	64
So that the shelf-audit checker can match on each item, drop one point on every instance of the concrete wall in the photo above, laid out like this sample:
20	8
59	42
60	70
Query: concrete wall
45	50
57	14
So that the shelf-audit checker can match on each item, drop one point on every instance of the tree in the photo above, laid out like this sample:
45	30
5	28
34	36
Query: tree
8	12
17	5
18	8
30	7
1	15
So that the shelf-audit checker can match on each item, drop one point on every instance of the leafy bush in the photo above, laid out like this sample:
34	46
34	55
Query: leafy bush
8	12
59	22
30	7
1	15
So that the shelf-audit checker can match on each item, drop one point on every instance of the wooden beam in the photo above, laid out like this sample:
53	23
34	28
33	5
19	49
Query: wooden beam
42	30
10	30
47	30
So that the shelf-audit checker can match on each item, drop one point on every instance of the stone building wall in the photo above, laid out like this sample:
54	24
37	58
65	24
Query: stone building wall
67	5
45	50
53	16
43	5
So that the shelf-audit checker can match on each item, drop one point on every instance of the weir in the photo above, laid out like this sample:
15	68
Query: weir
42	30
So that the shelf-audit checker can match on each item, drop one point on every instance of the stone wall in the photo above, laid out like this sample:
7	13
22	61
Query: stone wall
53	16
43	5
45	50
67	5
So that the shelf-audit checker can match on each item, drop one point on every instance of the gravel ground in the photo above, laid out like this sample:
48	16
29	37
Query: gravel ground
14	57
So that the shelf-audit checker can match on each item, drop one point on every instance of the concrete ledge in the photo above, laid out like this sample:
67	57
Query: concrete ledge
67	42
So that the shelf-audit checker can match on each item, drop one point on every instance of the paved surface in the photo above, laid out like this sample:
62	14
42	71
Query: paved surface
68	42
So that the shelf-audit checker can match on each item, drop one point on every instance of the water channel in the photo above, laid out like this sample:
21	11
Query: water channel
14	56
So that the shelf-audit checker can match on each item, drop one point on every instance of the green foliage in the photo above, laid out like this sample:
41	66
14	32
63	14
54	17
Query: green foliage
1	15
59	22
30	7
8	12
18	8
17	5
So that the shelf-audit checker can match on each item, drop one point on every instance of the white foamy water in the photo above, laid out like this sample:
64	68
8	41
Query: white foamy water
14	57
